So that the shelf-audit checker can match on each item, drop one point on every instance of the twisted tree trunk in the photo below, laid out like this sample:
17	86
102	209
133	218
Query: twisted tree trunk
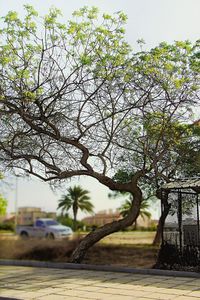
164	214
98	234
75	210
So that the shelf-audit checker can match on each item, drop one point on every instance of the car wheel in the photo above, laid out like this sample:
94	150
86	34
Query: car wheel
50	236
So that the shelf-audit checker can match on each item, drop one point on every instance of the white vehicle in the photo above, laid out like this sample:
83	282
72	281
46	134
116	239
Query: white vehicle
47	228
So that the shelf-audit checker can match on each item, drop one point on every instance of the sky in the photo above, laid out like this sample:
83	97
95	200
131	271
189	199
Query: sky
152	20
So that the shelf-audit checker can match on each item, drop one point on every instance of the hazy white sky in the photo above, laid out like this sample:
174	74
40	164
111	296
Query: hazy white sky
154	21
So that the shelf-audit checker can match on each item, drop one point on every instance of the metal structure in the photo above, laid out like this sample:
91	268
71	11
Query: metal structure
181	237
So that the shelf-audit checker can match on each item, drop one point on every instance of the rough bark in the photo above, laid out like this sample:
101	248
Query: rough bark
75	223
164	214
75	210
98	234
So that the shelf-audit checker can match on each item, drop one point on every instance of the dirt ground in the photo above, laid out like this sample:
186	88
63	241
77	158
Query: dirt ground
118	249
137	256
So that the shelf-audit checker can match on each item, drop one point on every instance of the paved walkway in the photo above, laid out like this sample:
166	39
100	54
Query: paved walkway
56	284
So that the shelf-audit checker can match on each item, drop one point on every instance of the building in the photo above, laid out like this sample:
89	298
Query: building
103	217
28	215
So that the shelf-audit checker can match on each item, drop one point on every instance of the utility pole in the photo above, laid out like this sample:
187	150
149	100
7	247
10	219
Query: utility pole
16	201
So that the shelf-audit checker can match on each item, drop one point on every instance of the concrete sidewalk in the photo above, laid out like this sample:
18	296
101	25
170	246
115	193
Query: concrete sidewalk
45	283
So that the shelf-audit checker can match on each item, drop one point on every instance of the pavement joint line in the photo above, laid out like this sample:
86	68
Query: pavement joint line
71	266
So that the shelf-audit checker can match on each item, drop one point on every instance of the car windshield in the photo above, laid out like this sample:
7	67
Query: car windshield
51	222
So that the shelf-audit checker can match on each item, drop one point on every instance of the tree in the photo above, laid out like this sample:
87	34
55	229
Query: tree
70	92
3	205
3	202
66	220
77	198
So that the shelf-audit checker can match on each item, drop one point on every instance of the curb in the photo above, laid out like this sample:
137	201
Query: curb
46	264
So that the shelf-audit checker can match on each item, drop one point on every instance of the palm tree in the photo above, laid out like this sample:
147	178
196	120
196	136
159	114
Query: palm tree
76	198
125	208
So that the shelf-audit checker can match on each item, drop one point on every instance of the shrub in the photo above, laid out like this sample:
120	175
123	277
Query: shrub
7	226
48	250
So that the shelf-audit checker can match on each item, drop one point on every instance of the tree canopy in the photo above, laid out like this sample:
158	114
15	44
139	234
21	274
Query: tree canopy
70	92
74	98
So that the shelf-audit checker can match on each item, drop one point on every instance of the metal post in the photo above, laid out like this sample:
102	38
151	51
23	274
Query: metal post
162	225
198	229
16	201
180	218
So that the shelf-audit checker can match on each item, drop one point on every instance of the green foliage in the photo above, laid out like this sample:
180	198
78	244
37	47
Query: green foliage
167	137
159	127
171	65
122	176
65	220
7	226
189	154
68	221
3	205
101	47
3	201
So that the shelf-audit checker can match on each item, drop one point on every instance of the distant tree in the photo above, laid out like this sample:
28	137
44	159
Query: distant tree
69	92
125	208
66	220
77	199
3	201
3	205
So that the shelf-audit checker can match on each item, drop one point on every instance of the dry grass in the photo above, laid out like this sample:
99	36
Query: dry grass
140	256
37	249
129	238
118	249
